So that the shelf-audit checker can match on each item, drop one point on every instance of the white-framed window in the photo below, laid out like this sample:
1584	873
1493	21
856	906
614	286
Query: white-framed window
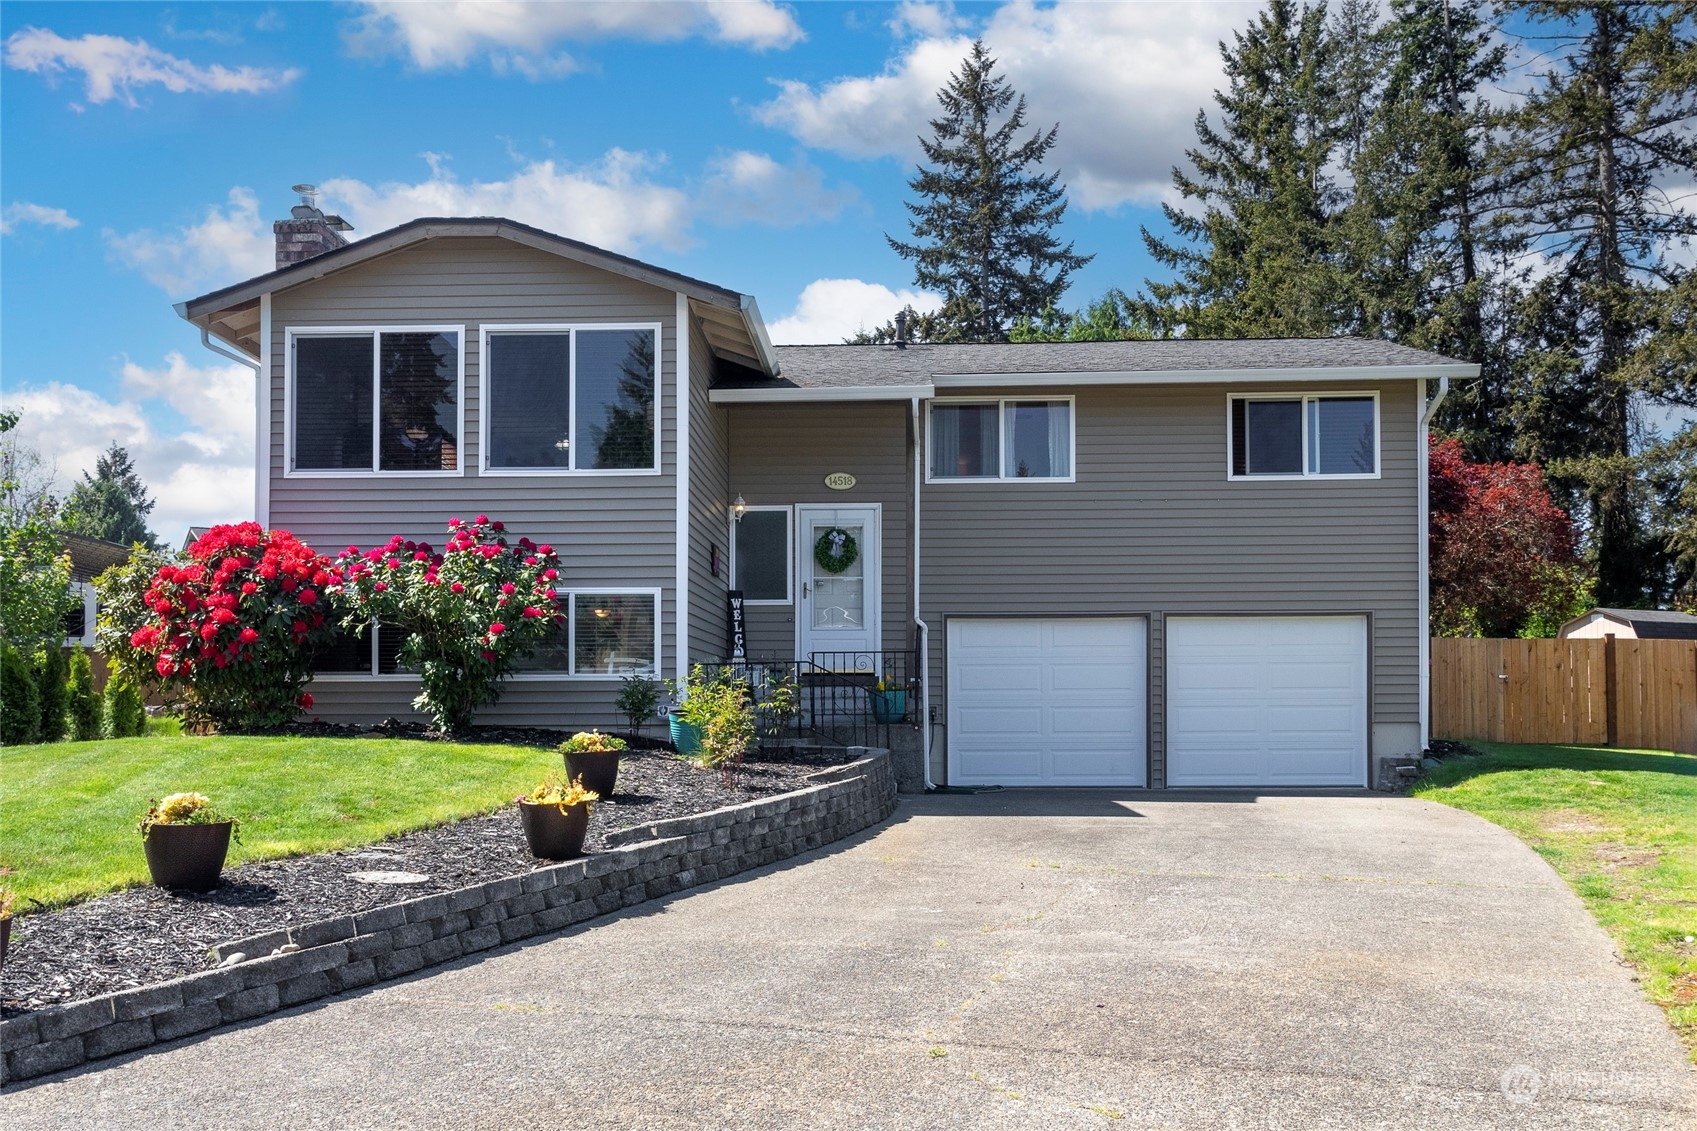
763	554
609	633
79	618
374	400
376	652
1010	438
1296	436
570	398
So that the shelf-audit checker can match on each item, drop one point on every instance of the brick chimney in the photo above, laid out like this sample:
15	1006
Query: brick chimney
307	233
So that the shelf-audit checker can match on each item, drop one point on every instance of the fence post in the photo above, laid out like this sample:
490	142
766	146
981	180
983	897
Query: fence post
1611	712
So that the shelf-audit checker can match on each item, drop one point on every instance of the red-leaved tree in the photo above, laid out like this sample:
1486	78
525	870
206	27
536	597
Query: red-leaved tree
233	628
1504	558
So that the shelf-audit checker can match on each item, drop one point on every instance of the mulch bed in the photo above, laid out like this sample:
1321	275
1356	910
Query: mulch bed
145	935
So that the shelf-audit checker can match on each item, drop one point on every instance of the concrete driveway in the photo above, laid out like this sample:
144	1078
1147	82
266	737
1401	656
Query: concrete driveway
1019	959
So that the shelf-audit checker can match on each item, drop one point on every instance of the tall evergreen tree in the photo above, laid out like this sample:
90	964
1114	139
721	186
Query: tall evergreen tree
983	224
1596	147
1257	255
112	503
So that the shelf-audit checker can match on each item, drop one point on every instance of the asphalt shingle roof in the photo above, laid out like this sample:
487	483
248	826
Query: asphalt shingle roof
914	364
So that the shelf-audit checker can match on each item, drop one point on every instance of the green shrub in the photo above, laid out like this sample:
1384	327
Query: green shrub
639	698
85	703
124	610
126	717
20	701
51	673
720	706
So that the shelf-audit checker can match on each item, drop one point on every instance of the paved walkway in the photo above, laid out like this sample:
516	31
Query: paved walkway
1016	959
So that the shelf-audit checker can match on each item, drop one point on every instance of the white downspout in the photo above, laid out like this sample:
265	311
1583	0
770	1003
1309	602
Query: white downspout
1424	527
924	629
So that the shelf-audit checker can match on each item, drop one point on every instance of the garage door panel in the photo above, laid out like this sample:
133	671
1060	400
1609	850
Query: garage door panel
1084	714
1267	700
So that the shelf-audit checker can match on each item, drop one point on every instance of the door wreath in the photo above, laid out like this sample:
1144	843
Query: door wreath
835	550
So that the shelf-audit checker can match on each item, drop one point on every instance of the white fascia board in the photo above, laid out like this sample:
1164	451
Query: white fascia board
757	334
1207	376
790	395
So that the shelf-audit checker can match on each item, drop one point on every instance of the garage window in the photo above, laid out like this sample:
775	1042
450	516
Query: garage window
999	440
1332	436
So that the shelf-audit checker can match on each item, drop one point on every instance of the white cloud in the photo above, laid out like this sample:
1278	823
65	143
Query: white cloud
830	310
742	185
198	474
23	212
919	18
1123	80
113	67
520	36
612	203
227	245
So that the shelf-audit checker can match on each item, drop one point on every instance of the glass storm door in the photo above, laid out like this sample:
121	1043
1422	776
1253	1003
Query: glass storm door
839	556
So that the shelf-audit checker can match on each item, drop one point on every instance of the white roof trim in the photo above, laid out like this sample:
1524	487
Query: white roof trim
1208	376
789	394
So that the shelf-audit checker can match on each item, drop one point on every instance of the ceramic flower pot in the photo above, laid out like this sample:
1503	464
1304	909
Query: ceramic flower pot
889	706
187	857
599	769
552	834
685	736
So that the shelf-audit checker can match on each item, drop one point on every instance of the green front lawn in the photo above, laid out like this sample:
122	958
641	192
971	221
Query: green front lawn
1620	826
68	821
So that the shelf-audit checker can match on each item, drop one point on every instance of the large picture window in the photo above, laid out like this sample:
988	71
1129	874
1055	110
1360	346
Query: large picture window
1002	439
376	400
1296	436
571	398
760	556
606	633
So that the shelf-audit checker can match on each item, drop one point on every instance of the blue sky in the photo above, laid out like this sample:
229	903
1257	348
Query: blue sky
758	145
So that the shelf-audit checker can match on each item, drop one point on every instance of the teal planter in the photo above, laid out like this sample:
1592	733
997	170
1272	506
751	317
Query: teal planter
889	706
685	736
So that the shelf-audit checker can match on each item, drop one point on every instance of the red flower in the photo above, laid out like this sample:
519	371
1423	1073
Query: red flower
507	587
497	629
249	635
305	701
308	596
550	574
532	611
456	587
489	656
380	586
249	588
482	520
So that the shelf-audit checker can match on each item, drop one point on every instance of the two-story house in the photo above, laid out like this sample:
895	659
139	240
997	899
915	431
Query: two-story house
1162	563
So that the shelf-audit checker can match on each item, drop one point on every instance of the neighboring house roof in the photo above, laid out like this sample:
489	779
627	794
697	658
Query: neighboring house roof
194	535
919	369
91	557
731	320
1648	624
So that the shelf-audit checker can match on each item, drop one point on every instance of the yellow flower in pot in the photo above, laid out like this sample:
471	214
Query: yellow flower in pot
593	757
555	816
186	841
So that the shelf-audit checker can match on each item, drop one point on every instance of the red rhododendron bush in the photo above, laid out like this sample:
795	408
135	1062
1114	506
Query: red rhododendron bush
233	626
466	615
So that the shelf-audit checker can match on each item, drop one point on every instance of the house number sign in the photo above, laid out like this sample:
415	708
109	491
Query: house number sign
840	481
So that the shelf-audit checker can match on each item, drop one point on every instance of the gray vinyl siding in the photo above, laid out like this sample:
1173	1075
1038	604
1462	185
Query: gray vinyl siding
780	455
709	498
609	530
1152	526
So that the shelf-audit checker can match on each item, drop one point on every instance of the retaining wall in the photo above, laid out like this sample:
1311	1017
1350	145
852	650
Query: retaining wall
340	954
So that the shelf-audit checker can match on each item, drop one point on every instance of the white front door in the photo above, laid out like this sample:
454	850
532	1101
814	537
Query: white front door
839	555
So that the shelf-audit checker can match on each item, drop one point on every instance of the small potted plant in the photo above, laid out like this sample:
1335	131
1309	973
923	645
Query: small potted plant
6	901
186	841
555	816
593	759
889	701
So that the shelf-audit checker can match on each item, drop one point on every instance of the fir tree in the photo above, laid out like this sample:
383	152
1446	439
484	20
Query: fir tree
51	673
112	503
1257	257
983	224
1596	146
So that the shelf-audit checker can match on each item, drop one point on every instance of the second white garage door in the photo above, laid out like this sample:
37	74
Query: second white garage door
1055	701
1267	700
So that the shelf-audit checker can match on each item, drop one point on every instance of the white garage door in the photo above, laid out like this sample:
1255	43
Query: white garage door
1060	701
1266	700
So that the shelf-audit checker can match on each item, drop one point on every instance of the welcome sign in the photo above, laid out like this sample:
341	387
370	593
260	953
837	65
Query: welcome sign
737	645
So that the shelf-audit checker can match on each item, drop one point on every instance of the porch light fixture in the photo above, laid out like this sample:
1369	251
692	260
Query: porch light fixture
739	507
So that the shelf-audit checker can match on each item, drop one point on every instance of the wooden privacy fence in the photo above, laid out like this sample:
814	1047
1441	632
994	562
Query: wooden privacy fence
1635	693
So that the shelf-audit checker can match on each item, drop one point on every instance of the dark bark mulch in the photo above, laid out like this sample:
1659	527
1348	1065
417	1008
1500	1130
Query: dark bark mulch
146	935
1444	748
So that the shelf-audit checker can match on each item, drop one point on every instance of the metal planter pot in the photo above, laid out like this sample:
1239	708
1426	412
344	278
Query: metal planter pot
685	736
552	834
889	706
187	857
599	771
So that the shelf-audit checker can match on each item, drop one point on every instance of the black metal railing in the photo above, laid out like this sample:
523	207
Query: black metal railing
833	698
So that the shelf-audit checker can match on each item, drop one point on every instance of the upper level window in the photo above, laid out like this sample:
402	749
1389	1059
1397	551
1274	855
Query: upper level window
1002	439
1305	435
376	400
570	398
